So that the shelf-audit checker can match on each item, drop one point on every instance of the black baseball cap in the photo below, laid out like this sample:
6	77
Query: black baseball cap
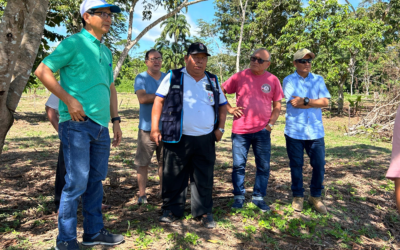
197	48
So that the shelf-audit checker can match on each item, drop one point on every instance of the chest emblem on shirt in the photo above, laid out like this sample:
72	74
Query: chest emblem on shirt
210	97
266	88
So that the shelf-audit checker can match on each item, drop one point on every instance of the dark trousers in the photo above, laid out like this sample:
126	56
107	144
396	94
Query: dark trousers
193	157
315	149
60	180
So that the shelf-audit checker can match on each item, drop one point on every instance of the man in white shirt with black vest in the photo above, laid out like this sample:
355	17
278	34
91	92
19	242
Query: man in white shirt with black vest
192	108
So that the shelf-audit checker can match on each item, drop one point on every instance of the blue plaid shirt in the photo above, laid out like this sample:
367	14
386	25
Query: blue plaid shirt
304	124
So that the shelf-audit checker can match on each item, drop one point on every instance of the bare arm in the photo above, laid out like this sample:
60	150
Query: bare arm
46	76
298	102
145	98
155	134
222	111
52	115
237	111
275	114
114	113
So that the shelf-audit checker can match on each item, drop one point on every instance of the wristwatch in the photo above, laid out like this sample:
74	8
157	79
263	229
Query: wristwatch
306	101
116	119
271	126
222	130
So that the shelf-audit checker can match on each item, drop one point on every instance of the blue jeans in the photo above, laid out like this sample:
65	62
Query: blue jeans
86	147
315	149
261	143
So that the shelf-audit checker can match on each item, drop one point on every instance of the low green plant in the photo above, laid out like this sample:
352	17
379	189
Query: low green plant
172	237
143	241
250	230
225	223
191	238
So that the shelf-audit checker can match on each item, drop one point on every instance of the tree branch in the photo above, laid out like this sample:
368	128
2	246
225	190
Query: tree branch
132	43
131	12
352	7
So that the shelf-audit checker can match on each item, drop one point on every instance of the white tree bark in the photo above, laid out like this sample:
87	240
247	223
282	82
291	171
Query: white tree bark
130	43
241	33
352	69
367	78
20	34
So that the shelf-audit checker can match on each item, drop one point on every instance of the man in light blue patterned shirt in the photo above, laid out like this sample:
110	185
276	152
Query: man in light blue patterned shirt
305	95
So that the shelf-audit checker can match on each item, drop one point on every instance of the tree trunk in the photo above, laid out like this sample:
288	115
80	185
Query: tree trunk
130	43
340	93
241	34
366	79
352	68
20	36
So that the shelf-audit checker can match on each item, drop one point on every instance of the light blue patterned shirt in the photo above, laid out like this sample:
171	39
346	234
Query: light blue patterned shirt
304	124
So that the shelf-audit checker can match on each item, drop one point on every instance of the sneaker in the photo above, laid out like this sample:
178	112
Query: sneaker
142	200
208	221
67	245
297	203
261	205
238	203
316	202
168	217
103	237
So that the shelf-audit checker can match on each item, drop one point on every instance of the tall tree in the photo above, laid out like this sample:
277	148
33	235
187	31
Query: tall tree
170	5
336	35
21	29
176	27
220	61
387	11
243	10
262	27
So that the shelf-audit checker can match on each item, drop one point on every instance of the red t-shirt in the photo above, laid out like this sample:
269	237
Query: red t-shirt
255	93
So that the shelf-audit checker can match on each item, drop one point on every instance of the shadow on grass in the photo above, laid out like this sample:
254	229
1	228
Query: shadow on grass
31	117
355	216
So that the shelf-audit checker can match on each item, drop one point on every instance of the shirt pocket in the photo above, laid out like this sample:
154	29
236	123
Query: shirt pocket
209	97
313	92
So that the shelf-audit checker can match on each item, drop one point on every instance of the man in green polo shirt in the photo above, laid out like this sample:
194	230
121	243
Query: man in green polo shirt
88	101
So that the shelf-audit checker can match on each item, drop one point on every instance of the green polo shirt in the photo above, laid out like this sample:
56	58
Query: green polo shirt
86	74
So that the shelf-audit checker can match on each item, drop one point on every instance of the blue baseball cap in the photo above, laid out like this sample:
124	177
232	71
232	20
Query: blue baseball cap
97	4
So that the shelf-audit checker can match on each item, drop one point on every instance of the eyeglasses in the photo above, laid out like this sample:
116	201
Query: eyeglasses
259	60
155	59
103	15
304	61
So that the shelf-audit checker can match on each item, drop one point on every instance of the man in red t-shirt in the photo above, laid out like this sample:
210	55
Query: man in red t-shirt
257	91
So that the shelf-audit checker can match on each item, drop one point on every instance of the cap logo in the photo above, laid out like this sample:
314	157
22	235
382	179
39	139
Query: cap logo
201	46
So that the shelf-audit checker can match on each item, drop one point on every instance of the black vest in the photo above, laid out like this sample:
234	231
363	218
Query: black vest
172	114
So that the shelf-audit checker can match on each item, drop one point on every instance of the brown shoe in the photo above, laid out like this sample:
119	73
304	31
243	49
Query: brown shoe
317	203
297	203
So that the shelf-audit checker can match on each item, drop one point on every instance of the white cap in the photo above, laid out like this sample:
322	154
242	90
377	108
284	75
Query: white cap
96	4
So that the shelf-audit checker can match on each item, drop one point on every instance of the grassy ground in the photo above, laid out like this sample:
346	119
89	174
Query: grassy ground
359	199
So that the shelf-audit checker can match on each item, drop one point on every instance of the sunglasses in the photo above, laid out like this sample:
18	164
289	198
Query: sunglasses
304	61
259	60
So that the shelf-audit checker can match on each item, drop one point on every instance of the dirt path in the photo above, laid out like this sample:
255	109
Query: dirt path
360	200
